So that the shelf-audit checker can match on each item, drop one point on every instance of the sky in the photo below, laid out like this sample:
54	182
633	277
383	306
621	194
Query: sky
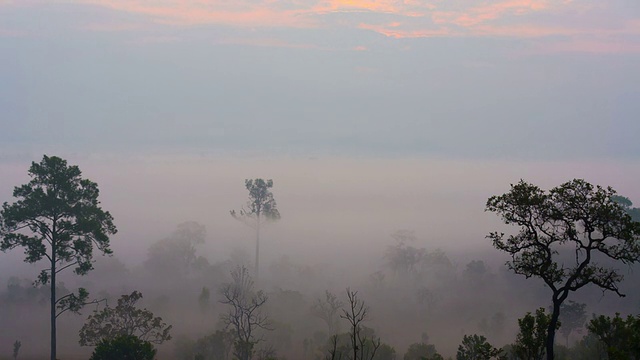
522	80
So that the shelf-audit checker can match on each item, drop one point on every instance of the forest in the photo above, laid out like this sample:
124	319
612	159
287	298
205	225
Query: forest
558	282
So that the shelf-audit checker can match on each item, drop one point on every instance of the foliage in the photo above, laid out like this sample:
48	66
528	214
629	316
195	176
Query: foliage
589	348
577	218
572	317
124	319
476	347
420	351
124	347
175	256
327	309
245	316
627	206
403	259
620	336
261	202
531	340
216	346
57	217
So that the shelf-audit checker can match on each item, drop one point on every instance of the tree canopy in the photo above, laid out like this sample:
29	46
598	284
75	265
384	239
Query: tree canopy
567	235
57	217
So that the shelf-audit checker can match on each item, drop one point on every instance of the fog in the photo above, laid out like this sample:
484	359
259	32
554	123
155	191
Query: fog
339	216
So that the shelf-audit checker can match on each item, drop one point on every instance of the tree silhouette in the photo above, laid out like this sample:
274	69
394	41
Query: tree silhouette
564	234
261	207
57	217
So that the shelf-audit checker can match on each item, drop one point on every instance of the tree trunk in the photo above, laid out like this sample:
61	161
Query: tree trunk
53	305
551	331
257	246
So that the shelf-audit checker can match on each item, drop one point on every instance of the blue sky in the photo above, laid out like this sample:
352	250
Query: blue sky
517	79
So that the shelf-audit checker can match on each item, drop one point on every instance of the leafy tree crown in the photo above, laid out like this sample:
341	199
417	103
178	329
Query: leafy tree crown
57	210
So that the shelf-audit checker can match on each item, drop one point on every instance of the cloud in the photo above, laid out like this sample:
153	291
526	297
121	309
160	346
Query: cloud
395	19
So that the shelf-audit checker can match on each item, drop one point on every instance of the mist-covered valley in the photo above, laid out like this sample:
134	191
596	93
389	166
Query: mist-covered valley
408	235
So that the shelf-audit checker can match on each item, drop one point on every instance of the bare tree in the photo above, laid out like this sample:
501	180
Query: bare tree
356	313
245	316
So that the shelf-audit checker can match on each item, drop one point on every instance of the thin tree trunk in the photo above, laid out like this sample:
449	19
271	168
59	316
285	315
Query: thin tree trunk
53	304
257	246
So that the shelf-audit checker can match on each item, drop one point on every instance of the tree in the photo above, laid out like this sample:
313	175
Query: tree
261	207
627	206
621	337
16	349
564	235
531	340
57	217
419	351
124	347
362	346
327	310
245	316
476	347
175	256
572	317
124	319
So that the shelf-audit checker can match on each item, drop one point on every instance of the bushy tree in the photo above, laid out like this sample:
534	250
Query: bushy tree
575	220
620	336
476	347
421	351
175	256
572	317
531	340
124	319
328	309
124	347
57	217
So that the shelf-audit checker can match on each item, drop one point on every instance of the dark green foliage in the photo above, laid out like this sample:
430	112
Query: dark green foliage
476	347
531	340
621	337
421	351
575	219
124	319
589	348
627	206
57	218
124	347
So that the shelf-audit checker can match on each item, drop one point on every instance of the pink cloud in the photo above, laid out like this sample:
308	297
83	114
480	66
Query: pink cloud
392	31
394	19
